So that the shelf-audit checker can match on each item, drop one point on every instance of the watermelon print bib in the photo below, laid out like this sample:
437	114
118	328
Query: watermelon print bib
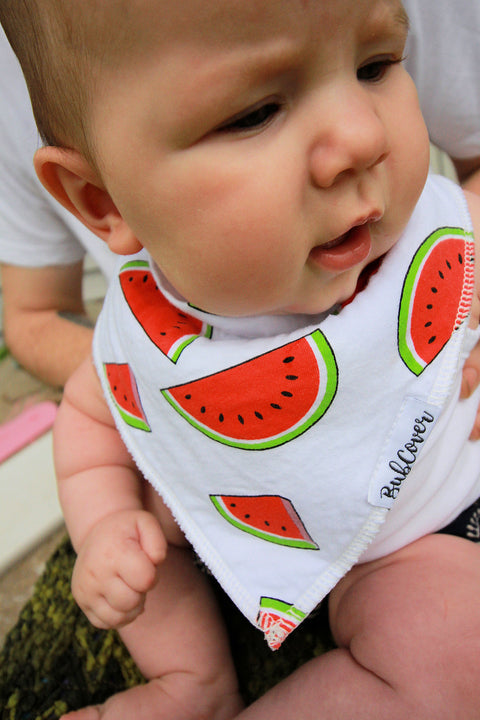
281	444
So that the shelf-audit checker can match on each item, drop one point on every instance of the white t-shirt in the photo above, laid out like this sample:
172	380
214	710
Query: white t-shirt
35	230
443	56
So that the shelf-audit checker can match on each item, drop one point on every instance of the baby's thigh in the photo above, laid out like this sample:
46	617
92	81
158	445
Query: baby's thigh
154	504
413	619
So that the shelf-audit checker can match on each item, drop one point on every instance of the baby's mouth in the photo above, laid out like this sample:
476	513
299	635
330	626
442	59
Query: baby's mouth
345	251
336	242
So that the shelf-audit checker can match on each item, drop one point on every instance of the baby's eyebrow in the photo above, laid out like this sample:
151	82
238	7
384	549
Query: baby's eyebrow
394	14
401	18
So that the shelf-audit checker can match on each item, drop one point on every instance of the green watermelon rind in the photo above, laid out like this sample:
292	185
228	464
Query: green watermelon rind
277	619
128	418
409	357
269	537
318	341
178	347
131	419
282	608
173	356
136	265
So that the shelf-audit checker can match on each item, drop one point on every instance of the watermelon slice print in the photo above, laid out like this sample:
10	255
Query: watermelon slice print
266	401
277	619
436	296
170	329
124	391
269	517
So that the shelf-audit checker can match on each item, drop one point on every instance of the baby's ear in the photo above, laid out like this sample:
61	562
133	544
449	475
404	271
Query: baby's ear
72	181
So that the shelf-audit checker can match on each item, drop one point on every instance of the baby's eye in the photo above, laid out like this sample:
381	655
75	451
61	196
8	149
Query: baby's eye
375	70
252	119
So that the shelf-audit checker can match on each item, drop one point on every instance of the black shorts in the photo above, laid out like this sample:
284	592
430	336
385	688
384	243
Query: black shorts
467	524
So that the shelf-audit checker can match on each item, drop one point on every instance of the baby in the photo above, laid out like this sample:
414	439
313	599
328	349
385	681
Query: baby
278	356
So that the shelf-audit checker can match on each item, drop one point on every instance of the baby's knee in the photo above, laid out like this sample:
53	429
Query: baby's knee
446	687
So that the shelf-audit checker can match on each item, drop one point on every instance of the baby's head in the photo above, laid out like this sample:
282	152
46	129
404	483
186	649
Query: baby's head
63	48
263	152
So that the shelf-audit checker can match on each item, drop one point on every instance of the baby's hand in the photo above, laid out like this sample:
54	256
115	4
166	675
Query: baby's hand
475	311
471	368
116	566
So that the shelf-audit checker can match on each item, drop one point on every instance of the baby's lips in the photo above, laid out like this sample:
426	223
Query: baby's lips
353	248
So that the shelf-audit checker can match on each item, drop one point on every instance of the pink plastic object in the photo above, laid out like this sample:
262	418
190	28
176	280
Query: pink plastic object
25	428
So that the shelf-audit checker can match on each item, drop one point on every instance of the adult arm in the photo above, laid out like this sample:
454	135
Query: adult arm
45	324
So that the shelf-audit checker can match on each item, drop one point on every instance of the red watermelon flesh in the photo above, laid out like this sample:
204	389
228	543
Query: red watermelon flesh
123	388
277	619
263	402
436	296
269	517
170	329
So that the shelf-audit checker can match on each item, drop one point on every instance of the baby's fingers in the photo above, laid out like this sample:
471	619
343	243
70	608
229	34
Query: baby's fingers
118	606
151	537
471	372
122	598
105	617
137	571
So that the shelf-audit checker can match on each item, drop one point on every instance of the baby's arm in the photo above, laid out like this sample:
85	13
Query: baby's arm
118	543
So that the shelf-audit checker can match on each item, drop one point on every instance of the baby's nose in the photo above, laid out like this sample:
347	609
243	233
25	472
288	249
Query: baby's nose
351	139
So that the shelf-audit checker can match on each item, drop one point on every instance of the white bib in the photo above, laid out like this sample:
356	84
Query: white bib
280	443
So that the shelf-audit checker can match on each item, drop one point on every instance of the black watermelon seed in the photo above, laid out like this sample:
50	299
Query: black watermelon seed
163	334
145	278
429	307
291	377
285	393
233	504
284	528
428	324
258	415
267	523
448	265
432	339
460	259
221	418
434	289
247	515
115	388
275	406
441	274
289	359
188	397
203	409
240	419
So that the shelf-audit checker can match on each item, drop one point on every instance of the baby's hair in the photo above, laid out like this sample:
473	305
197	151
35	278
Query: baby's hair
61	46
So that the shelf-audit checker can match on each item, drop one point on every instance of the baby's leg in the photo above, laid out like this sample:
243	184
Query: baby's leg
180	645
408	630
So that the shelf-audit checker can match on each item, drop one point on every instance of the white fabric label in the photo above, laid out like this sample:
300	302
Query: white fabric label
409	433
